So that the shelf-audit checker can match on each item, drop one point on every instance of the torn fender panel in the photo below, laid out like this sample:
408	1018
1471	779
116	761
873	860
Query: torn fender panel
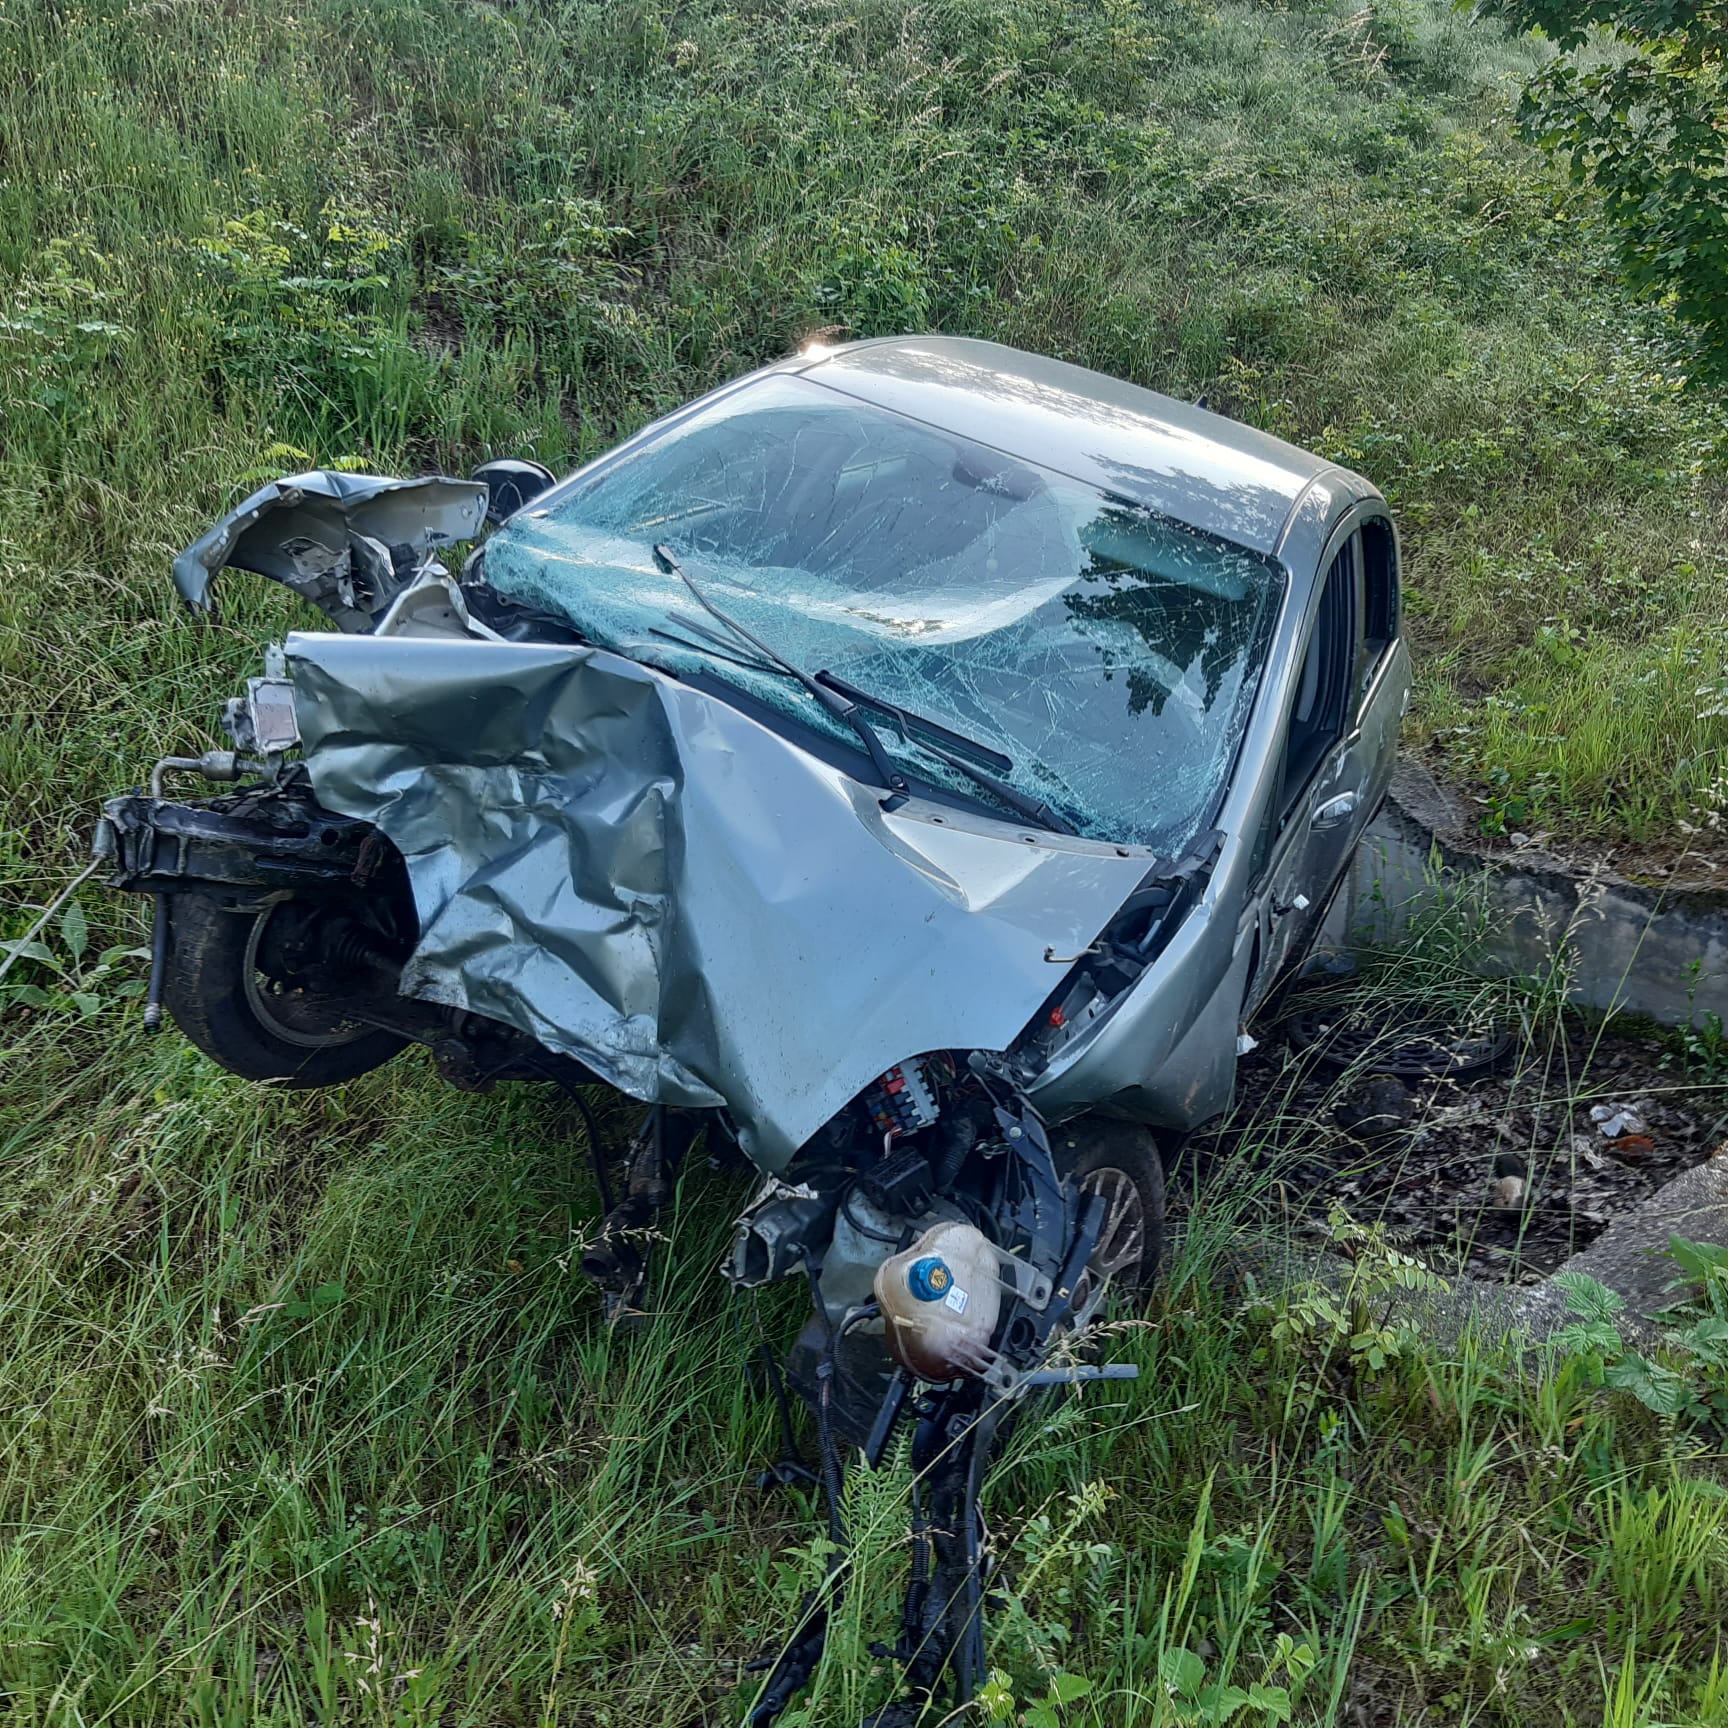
330	536
635	873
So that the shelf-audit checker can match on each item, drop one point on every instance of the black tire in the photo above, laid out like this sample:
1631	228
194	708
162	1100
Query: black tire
1121	1161
247	1022
1375	1038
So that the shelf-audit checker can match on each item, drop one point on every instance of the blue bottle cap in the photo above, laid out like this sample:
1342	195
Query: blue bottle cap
929	1279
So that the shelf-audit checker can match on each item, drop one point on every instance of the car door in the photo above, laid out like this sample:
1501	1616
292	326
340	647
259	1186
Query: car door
1328	773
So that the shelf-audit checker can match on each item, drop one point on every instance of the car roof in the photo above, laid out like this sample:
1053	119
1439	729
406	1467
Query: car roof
1175	457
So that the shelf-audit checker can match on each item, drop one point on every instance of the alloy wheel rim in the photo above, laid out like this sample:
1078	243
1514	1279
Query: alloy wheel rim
1122	1237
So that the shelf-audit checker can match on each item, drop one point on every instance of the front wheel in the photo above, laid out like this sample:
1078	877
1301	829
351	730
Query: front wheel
1120	1162
232	990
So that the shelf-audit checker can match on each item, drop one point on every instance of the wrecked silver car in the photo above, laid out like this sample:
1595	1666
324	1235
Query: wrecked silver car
911	766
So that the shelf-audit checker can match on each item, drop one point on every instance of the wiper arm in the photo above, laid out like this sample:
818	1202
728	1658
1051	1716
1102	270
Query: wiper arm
939	741
830	701
921	724
1035	810
712	644
844	700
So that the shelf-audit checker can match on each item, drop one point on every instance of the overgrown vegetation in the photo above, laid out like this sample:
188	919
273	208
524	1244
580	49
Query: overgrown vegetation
1645	121
304	1414
1694	1382
236	240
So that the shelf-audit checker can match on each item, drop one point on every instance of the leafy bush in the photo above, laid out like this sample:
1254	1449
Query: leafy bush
1688	1378
1647	125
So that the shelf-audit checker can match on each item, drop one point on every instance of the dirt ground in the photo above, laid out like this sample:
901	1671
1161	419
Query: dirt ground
1502	1174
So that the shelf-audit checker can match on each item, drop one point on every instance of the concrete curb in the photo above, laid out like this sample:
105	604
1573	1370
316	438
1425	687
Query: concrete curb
1660	952
1631	1255
1630	1258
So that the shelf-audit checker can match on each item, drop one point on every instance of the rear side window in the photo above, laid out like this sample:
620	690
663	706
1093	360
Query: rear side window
1379	595
1322	692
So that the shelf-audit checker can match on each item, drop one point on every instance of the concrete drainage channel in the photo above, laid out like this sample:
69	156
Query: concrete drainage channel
1610	944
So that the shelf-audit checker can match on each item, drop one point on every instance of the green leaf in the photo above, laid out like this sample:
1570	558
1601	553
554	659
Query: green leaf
74	929
1589	1338
87	1004
1274	1701
1697	1259
109	956
1657	1388
33	951
327	1295
1587	1298
1218	1703
997	1697
1065	1688
1182	1671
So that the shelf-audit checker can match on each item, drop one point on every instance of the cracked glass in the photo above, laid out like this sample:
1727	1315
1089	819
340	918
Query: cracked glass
1109	652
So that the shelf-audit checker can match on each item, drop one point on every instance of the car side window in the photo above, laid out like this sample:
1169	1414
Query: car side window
1324	689
1379	597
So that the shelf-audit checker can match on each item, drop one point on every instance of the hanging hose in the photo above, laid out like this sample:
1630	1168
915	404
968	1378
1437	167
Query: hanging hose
830	1452
596	1146
158	966
591	1127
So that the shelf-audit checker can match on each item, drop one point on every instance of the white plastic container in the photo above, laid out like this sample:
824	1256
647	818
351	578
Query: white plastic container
940	1301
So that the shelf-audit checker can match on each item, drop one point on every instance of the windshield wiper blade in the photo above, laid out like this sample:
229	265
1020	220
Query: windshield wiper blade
911	723
946	745
921	724
830	701
1035	810
843	700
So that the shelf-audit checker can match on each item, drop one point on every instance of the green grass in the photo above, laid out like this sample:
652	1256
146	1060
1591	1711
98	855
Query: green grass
306	1417
304	1414
235	239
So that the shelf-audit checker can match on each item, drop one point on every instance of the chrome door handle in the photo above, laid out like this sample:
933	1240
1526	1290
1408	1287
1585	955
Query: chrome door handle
1335	812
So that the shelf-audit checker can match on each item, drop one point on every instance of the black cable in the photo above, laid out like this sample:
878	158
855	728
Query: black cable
776	1382
959	1137
596	1150
830	1453
861	1227
596	1142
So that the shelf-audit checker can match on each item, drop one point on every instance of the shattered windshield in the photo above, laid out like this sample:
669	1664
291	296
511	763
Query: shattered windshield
1110	653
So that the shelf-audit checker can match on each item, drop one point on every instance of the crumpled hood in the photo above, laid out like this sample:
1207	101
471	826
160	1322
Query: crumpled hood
637	874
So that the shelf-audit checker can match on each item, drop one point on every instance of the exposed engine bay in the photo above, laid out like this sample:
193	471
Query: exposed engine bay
954	1264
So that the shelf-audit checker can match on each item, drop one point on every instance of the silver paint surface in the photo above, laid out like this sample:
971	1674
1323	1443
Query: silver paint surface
1207	471
637	874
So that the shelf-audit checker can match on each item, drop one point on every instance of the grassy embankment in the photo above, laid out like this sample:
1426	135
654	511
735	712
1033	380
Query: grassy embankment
305	1416
234	239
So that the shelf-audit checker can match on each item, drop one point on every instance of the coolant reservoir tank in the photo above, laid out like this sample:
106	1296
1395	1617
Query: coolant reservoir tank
940	1300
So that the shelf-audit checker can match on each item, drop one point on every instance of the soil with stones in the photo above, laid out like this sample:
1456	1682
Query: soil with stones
1502	1174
